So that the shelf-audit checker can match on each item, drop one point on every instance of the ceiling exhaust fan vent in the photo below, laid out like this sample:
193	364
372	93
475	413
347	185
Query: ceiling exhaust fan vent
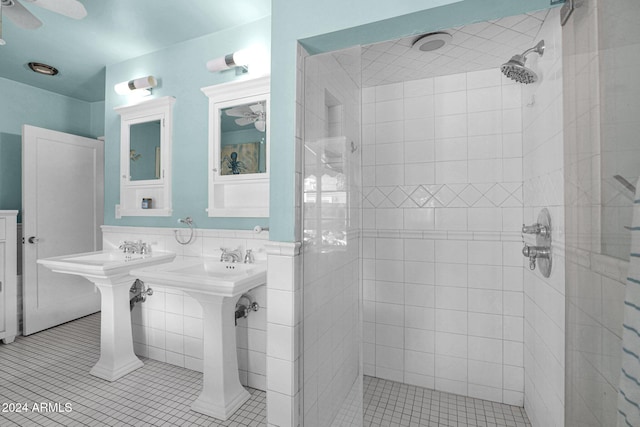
41	68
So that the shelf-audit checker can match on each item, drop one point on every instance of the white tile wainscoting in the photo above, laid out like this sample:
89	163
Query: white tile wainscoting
168	326
284	334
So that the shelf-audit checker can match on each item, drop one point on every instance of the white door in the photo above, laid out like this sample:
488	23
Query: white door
62	202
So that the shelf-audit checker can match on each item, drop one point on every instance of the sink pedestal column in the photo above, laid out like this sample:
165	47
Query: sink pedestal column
222	394
116	339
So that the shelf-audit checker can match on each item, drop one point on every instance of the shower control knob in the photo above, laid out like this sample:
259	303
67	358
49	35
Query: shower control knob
540	229
535	251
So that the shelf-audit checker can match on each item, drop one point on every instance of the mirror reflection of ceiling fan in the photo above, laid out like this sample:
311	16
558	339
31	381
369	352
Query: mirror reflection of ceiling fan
21	16
248	114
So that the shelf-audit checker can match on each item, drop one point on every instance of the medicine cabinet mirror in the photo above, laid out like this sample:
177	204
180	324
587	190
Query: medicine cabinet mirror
145	158
239	117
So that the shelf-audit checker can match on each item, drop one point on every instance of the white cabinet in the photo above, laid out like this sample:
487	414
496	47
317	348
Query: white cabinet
8	276
239	148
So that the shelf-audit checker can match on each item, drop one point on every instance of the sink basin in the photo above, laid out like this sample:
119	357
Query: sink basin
109	271
107	263
216	286
206	275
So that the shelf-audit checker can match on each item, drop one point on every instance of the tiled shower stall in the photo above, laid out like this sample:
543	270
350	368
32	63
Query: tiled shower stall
452	164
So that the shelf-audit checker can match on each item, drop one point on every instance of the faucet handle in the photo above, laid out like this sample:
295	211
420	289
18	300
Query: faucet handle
536	228
248	257
126	246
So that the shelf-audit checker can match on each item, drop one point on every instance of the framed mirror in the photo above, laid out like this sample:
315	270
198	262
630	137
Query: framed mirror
239	117
145	158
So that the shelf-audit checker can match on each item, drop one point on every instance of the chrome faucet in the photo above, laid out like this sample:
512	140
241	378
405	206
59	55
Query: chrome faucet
139	247
128	247
230	256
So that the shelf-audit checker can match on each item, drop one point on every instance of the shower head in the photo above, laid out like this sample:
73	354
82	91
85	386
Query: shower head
517	71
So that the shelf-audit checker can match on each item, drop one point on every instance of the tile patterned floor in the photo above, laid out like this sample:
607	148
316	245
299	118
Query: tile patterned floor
388	403
52	368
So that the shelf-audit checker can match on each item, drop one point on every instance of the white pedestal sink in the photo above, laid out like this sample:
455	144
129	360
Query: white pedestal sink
109	271
217	286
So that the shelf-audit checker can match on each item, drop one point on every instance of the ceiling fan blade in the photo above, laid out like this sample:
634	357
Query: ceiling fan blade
261	125
71	8
240	111
20	15
243	121
257	108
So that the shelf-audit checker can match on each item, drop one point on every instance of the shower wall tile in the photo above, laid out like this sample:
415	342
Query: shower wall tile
450	83
441	305
483	79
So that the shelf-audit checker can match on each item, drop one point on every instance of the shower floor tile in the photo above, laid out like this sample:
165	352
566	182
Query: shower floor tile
389	403
52	368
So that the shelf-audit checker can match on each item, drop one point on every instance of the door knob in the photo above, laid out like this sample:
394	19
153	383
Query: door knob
33	239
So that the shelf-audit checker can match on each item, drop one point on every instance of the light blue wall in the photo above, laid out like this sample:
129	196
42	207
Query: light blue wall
333	24
181	72
97	118
22	104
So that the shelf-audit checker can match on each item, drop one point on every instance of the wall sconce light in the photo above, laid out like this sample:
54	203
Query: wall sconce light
141	86
240	59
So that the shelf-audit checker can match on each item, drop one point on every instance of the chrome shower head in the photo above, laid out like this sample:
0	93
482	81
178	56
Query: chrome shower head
515	68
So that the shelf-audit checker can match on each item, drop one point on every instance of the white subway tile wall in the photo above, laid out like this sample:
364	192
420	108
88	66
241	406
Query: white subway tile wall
168	326
443	303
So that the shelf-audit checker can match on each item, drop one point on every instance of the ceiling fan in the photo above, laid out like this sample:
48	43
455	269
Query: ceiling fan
248	114
21	16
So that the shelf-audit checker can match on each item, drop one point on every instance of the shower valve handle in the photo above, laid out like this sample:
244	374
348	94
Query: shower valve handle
534	252
540	229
